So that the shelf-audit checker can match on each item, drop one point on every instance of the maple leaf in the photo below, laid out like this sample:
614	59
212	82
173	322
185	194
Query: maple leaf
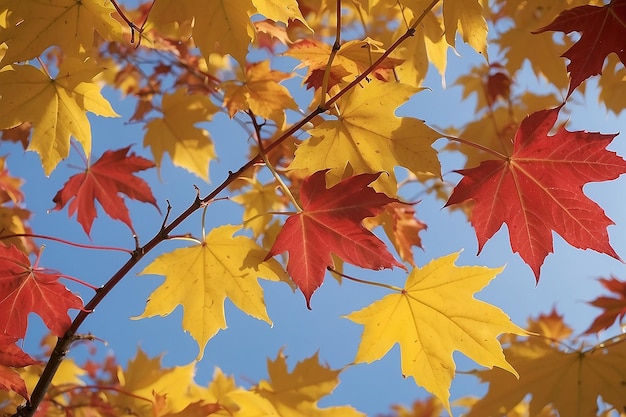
433	316
223	26
257	202
25	289
601	32
614	307
103	181
370	138
468	15
9	186
538	189
401	227
280	10
175	133
330	223
351	60
571	381
33	26
296	393
12	356
259	91
201	277
56	107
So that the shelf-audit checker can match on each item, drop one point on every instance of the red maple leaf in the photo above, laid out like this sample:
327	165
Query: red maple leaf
331	222
108	176
603	30
538	190
12	356
613	307
24	289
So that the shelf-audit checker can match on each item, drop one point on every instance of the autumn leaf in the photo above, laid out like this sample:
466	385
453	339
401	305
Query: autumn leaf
330	223
33	26
351	60
12	356
26	289
200	278
257	202
259	90
570	380
538	189
434	315
296	393
467	16
601	32
368	136
109	176
146	377
56	107
282	11
614	307
224	27
401	227
9	185
175	133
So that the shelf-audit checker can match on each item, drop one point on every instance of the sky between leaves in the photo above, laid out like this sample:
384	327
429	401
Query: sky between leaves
334	175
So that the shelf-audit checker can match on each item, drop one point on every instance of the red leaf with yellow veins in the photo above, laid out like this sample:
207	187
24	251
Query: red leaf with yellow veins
25	289
602	31
331	223
108	176
539	189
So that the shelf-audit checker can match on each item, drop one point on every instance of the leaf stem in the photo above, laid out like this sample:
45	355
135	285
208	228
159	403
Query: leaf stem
66	242
268	164
476	145
366	282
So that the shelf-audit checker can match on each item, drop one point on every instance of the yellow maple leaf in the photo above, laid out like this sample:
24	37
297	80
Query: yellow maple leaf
33	26
370	138
280	10
56	107
259	90
467	16
223	26
175	133
257	201
296	393
433	316
145	378
571	381
200	278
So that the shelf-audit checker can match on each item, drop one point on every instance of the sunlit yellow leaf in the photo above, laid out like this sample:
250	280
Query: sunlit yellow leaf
34	25
296	393
369	137
280	10
189	147
433	316
467	16
201	277
56	107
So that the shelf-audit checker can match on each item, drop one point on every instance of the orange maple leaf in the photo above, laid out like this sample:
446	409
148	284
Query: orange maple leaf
12	356
331	223
108	176
538	189
25	289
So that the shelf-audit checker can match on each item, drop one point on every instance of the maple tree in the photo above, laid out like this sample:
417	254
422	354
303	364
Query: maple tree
330	175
